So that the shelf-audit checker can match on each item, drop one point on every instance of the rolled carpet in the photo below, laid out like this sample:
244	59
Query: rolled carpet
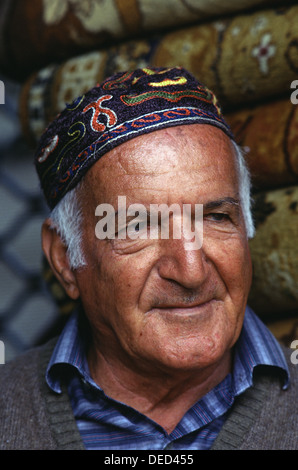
243	59
274	252
270	134
34	33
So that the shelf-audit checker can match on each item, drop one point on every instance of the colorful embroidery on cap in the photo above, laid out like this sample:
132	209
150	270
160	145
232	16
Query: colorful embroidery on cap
174	96
48	149
118	82
168	82
75	104
76	132
97	109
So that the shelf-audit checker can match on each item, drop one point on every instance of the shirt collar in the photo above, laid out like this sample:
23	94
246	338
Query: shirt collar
256	346
69	350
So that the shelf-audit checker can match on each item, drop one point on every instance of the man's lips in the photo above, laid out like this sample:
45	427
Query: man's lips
182	308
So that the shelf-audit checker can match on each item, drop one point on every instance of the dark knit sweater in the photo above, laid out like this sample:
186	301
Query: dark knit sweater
32	416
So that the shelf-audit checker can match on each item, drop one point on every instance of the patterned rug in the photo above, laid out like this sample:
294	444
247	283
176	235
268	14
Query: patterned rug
37	32
270	133
244	60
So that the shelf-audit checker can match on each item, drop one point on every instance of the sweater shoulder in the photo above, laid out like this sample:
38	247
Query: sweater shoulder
264	417
25	370
22	410
32	416
276	428
24	363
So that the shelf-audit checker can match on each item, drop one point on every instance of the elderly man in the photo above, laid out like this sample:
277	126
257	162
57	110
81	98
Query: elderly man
164	352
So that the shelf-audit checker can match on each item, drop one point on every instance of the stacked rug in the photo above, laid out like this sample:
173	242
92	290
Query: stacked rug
34	33
244	59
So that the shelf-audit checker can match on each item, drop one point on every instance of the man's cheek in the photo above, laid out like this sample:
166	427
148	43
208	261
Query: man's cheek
234	266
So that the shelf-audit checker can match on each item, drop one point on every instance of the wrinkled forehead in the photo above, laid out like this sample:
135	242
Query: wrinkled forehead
164	161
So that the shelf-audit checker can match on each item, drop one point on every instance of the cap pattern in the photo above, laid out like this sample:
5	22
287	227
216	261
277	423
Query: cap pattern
122	107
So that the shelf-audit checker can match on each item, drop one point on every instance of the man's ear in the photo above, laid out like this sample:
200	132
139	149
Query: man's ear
55	251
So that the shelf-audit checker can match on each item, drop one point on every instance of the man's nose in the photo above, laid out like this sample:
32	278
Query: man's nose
188	267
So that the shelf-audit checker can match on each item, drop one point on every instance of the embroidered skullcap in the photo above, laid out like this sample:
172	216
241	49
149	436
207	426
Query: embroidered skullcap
122	107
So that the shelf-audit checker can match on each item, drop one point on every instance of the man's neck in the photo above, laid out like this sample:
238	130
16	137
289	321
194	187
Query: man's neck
163	396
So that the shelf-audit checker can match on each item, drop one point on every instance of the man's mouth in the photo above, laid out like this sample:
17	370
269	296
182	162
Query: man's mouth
181	308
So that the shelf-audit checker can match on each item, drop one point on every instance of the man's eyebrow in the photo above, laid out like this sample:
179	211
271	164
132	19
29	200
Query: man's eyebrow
221	202
209	205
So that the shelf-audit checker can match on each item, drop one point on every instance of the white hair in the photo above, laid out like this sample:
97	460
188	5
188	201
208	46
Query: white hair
244	180
67	216
67	220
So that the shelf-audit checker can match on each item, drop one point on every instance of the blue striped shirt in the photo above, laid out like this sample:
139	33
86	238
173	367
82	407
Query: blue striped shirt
108	424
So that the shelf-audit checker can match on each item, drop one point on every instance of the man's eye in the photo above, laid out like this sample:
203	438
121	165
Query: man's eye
218	216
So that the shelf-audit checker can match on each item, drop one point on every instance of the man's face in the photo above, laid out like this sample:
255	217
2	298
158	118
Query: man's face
153	302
